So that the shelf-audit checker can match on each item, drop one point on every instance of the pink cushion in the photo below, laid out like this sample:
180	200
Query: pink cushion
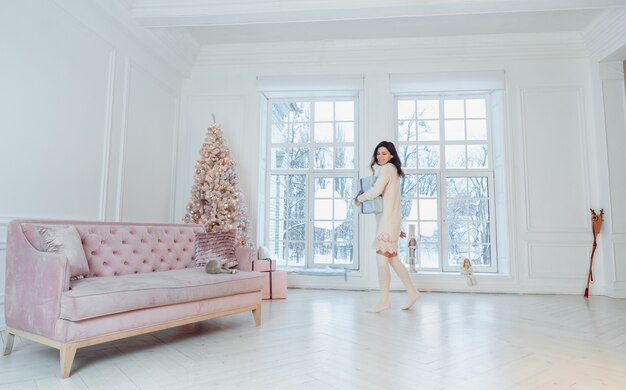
244	258
95	297
216	245
63	240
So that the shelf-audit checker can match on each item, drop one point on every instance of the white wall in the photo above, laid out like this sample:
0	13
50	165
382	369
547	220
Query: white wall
606	42
548	117
88	115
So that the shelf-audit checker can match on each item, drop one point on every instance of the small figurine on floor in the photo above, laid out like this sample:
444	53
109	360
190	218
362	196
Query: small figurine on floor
466	269
214	266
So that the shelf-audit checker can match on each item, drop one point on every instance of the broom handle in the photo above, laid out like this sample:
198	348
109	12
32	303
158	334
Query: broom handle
590	275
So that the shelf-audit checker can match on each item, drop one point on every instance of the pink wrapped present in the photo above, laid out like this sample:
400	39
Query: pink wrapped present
264	265
274	285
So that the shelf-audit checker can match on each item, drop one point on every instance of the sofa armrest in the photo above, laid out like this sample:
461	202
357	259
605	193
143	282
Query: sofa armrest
34	284
244	258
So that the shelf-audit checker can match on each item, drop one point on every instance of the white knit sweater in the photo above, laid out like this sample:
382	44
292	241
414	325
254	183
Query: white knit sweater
388	222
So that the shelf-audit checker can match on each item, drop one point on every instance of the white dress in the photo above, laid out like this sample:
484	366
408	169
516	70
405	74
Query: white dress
388	222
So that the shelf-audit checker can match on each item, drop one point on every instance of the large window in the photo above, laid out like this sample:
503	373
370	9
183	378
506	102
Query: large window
311	177
448	191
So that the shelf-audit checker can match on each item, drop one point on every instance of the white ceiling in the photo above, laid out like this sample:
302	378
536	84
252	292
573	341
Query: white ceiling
253	21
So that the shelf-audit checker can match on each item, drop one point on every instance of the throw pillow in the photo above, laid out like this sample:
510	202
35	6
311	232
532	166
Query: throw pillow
216	245
63	240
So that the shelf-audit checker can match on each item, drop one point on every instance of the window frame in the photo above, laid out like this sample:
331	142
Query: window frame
312	173
442	173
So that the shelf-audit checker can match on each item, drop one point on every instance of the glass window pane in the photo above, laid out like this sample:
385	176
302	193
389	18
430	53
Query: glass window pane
428	156
278	250
296	186
477	156
341	207
295	209
428	255
323	253
412	210
344	157
476	108
458	231
344	111
323	231
408	156
480	254
324	132
476	129
480	208
294	158
345	132
406	109
428	130
428	185
428	109
344	187
477	187
404	131
454	109
455	156
279	158
479	233
456	253
324	158
428	232
344	253
323	209
296	253
343	231
300	112
428	209
277	229
295	232
457	208
277	186
456	186
323	111
454	130
279	133
408	186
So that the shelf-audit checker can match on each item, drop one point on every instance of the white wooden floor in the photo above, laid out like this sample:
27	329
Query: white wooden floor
318	339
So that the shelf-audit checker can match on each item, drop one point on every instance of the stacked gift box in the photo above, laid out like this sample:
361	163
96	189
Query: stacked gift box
275	284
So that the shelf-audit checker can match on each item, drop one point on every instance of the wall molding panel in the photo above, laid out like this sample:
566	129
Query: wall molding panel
548	148
558	260
106	142
122	145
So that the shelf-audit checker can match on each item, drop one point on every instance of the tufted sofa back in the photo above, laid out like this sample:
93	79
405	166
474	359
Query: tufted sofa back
120	250
125	248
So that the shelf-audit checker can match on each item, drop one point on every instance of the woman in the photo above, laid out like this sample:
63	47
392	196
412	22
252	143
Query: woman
388	171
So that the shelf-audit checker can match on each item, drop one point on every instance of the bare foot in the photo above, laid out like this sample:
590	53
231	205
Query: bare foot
380	307
412	299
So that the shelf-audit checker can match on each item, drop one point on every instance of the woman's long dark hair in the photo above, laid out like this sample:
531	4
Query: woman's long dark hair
392	150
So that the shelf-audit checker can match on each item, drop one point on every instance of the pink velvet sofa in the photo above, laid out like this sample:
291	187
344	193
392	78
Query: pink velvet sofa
141	279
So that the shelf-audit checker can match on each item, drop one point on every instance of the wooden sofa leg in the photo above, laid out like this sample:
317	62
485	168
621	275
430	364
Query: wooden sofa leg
8	342
257	315
67	351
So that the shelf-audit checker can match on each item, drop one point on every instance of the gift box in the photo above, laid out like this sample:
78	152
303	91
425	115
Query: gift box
274	285
263	265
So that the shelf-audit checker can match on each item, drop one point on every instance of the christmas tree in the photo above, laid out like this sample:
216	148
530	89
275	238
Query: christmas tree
216	199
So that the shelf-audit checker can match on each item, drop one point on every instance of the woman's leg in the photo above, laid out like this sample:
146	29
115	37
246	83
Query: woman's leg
406	279
384	280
